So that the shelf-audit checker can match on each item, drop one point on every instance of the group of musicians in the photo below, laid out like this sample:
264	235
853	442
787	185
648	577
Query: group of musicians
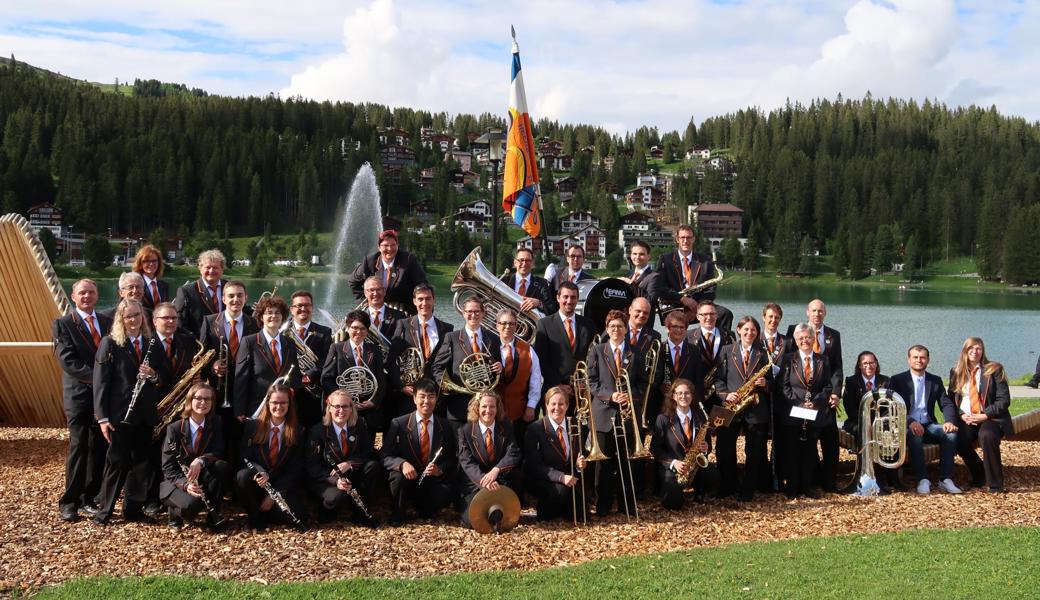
278	421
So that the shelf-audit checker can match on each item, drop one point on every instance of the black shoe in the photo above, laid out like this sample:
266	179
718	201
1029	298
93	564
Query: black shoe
746	497
214	522
698	497
1033	383
99	520
135	516
396	521
995	490
256	524
152	511
326	516
814	493
68	514
175	522
89	510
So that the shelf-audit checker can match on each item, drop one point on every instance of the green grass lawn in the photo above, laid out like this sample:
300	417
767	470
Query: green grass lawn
967	563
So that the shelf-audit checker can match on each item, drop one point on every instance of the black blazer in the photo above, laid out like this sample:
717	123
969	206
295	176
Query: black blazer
319	340
602	381
341	357
177	449
407	335
544	459
996	401
670	270
405	275
184	349
286	472
452	352
795	390
254	371
212	336
164	294
555	356
391	317
323	447
709	357
669	442
851	395
75	350
831	349
193	302
731	375
691	365
401	443
115	375
903	384
539	289
561	276
474	460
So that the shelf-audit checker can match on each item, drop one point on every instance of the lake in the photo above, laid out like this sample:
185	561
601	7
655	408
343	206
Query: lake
884	320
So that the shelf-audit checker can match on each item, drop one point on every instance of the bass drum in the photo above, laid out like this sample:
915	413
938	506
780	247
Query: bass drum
597	297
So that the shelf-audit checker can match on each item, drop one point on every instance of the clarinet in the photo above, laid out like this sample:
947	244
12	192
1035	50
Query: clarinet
353	493
436	455
140	383
276	496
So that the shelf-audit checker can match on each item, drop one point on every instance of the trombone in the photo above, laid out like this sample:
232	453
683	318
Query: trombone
574	434
627	413
583	410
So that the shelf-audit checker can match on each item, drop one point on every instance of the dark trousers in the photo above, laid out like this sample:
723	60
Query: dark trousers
800	458
127	469
84	463
755	468
672	496
232	433
362	479
250	495
988	436
214	479
555	500
428	500
611	479
828	472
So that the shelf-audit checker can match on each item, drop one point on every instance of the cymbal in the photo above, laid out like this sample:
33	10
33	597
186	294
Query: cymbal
494	511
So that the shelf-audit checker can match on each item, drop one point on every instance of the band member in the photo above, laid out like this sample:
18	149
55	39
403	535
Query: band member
131	287
806	380
264	357
682	360
742	361
77	336
148	262
640	335
521	381
424	332
674	433
552	463
316	337
709	340
202	297
828	343
341	457
866	378
458	345
383	316
488	452
196	441
645	282
357	351
922	391
575	269
398	271
980	397
535	290
684	268
606	361
563	338
274	443
227	329
124	358
410	447
778	345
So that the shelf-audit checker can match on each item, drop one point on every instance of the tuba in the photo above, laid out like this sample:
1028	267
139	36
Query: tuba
306	358
882	436
473	279
170	406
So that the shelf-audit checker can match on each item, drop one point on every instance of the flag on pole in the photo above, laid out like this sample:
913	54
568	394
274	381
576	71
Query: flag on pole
521	196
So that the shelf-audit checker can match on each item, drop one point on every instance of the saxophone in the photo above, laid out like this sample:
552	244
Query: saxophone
694	460
746	394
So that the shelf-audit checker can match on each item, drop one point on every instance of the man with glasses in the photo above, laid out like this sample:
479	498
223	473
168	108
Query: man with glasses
383	316
708	338
683	268
397	270
644	280
535	290
131	287
521	381
202	297
318	338
575	269
473	338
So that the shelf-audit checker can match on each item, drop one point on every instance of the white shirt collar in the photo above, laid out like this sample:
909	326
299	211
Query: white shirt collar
269	338
85	316
484	429
228	317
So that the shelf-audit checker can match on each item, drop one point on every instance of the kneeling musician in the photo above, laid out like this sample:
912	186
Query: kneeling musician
680	446
488	454
553	461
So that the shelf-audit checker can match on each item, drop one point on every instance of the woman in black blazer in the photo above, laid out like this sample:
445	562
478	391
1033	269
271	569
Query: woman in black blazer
343	355
148	262
488	454
980	394
674	432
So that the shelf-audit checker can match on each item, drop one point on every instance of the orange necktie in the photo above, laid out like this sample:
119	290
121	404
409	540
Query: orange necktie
634	338
870	385
303	333
272	450
169	348
687	272
476	346
137	348
710	340
771	346
676	355
425	341
216	299
489	444
155	293
570	333
807	371
386	278
617	358
424	441
198	441
523	287
375	320
93	330
574	277
343	441
274	355
509	359
816	344
561	438
973	389
688	429
357	356
233	340
747	359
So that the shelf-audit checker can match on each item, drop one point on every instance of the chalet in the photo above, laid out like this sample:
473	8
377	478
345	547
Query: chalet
656	152
717	220
426	177
46	216
437	140
698	152
577	220
393	135
474	223
592	239
395	158
646	179
645	197
465	159
423	210
566	186
656	237
462	179
636	221
550	147
477	207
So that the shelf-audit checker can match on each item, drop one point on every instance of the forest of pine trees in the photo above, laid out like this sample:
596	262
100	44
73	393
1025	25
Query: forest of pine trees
867	181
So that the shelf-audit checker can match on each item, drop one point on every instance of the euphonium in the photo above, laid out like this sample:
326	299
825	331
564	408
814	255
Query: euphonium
170	406
583	409
411	364
883	436
473	279
627	413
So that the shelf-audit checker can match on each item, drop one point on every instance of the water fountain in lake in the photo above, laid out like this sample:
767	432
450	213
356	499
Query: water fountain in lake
359	227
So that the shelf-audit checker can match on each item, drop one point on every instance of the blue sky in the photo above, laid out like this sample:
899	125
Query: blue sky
615	64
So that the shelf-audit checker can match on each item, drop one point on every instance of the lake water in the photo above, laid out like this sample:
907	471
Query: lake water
884	320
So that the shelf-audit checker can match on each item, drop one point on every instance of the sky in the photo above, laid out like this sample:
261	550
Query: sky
616	64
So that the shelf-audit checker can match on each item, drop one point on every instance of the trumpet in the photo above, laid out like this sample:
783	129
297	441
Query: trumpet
627	413
139	386
583	410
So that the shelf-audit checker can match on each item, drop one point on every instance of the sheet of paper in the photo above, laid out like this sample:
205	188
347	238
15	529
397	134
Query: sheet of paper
808	414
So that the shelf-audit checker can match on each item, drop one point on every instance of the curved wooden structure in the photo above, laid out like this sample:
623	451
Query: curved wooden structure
31	298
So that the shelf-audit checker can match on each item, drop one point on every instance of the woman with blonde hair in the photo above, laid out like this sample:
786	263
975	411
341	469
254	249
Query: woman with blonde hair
488	454
980	394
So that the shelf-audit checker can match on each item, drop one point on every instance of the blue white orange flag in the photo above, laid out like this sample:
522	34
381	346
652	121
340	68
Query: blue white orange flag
521	196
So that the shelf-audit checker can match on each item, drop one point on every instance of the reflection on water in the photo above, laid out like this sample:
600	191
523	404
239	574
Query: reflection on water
884	320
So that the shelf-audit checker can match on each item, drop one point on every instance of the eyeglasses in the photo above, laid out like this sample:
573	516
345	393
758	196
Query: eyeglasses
507	323
167	318
472	312
676	327
868	364
356	327
711	314
682	394
341	406
202	398
131	287
303	306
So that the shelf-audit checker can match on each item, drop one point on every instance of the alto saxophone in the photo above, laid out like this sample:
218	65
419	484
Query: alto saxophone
694	460
746	394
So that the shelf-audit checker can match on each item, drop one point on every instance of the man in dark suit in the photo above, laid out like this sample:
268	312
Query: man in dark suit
131	287
645	282
202	297
922	391
458	345
806	380
557	353
398	271
76	339
416	444
866	378
680	360
683	268
318	338
425	333
709	339
535	290
383	316
575	269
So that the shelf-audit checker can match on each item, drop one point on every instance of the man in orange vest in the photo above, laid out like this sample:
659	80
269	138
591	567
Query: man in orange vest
521	381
